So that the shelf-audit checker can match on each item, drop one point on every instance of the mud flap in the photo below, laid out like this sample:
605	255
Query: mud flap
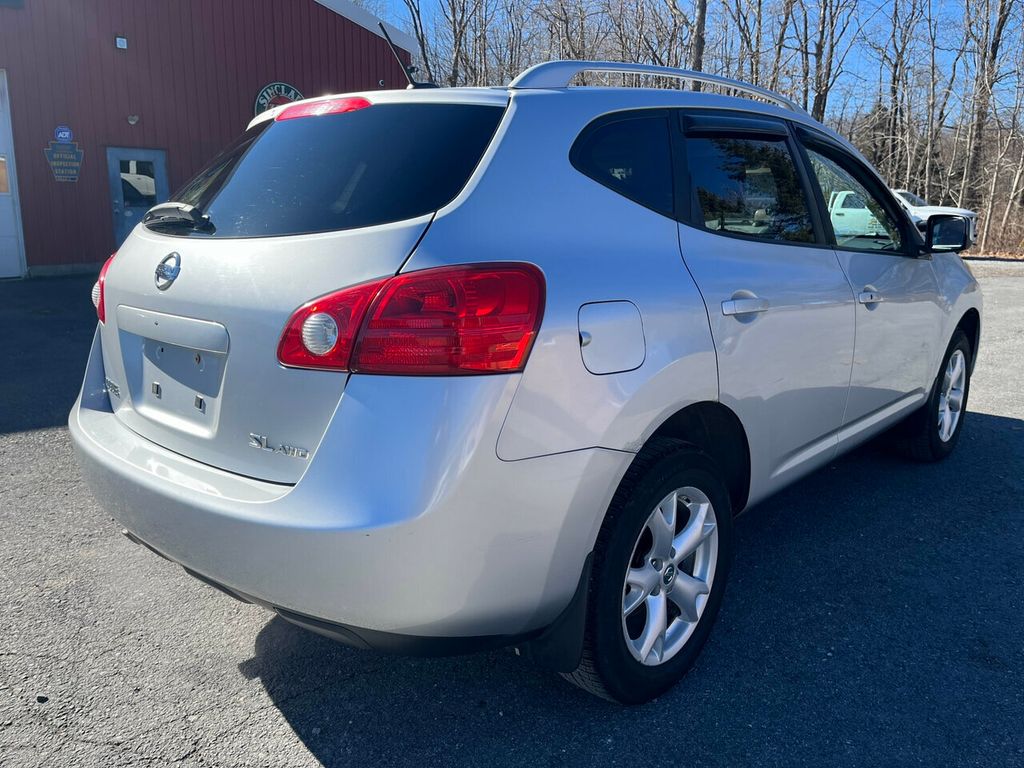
560	646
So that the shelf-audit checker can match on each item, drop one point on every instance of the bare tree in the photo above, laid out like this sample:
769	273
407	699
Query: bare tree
420	33
929	90
698	39
988	39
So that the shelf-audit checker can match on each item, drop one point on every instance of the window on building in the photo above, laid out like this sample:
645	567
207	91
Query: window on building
138	183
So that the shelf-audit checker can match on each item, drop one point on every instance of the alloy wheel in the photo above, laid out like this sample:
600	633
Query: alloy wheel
951	395
670	575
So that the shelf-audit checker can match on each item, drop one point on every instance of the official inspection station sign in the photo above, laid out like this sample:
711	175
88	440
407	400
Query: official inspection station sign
63	155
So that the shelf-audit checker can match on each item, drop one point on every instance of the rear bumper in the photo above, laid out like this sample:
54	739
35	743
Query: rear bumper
403	526
366	639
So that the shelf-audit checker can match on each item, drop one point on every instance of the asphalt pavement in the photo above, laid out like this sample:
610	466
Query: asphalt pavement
875	616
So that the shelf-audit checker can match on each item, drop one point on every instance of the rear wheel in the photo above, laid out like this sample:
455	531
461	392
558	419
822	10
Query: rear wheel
660	568
932	432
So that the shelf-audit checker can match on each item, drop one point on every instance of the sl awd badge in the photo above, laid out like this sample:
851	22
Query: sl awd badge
262	443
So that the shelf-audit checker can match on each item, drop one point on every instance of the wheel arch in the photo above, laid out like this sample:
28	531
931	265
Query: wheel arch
712	428
716	430
970	324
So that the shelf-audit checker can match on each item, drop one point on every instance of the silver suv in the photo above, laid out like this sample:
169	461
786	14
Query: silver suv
444	369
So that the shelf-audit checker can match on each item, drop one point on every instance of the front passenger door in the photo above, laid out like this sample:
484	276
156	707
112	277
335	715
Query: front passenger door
898	316
780	307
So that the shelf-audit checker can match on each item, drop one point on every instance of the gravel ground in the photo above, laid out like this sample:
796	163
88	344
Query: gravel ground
875	617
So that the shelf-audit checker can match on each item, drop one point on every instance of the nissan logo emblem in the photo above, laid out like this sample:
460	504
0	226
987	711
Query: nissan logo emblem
167	271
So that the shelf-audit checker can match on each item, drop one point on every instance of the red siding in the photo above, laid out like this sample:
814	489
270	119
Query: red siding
191	73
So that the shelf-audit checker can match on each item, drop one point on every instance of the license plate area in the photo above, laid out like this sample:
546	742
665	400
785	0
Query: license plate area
179	387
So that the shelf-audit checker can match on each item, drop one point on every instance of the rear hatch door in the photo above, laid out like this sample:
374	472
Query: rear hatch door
297	209
195	364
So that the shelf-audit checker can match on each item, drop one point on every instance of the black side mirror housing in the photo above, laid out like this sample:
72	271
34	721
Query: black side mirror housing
946	233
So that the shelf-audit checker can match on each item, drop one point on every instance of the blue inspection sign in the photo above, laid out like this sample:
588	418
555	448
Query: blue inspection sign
64	155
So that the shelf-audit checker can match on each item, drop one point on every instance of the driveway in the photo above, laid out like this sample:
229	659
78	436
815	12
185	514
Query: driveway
875	616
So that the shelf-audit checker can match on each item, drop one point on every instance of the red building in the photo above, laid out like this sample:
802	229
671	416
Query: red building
107	106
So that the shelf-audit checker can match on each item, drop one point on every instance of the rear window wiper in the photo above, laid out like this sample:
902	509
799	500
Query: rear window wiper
178	215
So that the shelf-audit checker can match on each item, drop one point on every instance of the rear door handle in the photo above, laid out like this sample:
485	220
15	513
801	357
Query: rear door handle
869	297
744	306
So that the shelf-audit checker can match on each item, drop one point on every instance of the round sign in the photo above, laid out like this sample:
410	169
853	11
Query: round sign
63	134
274	95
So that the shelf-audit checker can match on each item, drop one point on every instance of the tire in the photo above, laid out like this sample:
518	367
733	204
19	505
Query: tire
610	665
921	437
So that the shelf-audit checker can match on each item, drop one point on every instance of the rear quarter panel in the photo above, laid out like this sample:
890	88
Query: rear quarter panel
527	203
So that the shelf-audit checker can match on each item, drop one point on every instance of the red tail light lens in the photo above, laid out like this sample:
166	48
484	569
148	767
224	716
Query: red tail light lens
322	107
445	321
98	291
453	320
321	334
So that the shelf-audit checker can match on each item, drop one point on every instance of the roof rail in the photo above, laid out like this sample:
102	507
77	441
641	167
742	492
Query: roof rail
558	74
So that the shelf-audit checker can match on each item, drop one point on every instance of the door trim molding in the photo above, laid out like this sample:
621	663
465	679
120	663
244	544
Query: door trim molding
872	422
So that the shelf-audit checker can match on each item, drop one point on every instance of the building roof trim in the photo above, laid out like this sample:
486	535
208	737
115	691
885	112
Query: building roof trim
367	20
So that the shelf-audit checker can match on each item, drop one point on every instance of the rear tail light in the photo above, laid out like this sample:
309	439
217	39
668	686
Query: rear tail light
322	107
98	291
470	319
321	334
446	321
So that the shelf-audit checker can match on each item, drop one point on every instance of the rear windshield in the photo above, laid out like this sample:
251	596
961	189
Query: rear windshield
383	163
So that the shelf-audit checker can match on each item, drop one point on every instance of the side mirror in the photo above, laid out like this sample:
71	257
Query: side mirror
946	233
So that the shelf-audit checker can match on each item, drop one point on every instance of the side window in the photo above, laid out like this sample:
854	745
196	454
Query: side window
853	200
859	220
630	156
749	186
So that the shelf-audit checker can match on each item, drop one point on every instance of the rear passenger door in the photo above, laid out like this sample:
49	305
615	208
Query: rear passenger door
780	307
899	317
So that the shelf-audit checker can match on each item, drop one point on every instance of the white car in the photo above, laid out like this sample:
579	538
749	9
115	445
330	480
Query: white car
920	211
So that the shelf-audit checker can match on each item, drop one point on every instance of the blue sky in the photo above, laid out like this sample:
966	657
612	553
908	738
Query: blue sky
860	69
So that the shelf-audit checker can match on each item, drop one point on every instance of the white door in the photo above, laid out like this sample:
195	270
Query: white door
852	217
12	249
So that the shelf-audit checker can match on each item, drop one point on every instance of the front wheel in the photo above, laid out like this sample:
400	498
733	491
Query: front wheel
660	568
932	432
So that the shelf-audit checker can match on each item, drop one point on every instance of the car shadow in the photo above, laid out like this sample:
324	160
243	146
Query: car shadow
873	615
48	327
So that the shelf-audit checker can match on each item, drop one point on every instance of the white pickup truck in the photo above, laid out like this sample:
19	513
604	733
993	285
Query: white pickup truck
851	216
920	211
